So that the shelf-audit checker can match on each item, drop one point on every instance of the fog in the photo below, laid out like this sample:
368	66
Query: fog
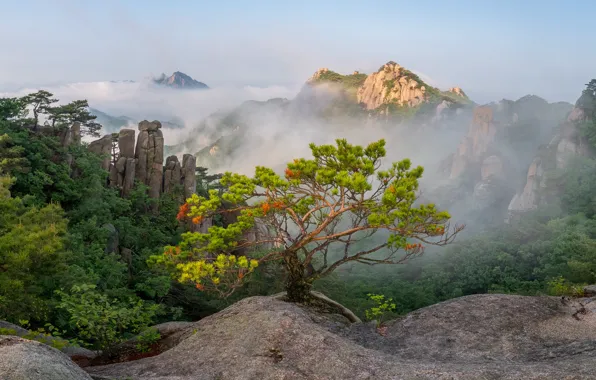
271	134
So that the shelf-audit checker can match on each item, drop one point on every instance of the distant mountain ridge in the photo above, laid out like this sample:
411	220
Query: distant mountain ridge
180	80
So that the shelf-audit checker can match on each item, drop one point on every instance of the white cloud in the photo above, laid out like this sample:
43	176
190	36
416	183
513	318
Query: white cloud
143	100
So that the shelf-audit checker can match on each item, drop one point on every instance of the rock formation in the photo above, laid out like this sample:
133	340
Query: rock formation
481	134
457	91
391	84
529	197
172	174
103	147
22	359
144	162
188	176
149	156
474	337
563	147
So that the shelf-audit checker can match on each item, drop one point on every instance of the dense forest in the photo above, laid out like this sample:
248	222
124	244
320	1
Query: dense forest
57	217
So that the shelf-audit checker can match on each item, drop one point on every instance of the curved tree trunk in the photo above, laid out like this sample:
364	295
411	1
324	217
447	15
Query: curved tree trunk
321	297
297	286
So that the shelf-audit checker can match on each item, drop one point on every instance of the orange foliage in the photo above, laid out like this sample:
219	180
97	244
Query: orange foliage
200	286
410	247
182	211
197	219
278	204
240	275
292	174
266	207
391	189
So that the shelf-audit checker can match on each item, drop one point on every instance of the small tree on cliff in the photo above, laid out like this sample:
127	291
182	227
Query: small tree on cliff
320	216
40	103
76	111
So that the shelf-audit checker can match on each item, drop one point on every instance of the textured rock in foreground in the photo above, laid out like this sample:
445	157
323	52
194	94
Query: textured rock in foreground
474	337
22	359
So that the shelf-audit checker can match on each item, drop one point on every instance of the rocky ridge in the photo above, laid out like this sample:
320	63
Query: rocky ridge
392	84
481	336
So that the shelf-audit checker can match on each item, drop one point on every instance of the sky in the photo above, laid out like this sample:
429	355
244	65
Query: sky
491	49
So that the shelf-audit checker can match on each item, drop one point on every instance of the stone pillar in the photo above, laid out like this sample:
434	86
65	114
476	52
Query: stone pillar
103	147
149	156
189	166
172	174
126	143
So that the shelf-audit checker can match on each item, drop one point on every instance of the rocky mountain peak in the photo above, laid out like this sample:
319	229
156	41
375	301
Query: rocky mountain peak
392	84
318	75
457	91
180	80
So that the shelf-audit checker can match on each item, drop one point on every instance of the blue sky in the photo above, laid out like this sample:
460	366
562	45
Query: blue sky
492	49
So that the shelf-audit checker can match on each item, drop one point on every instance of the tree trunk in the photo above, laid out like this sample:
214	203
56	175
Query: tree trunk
297	286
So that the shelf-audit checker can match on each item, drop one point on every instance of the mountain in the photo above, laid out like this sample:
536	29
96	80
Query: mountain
180	80
111	124
393	96
490	164
391	90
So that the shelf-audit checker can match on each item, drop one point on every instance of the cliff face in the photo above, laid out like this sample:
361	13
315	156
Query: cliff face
391	84
490	165
563	147
476	143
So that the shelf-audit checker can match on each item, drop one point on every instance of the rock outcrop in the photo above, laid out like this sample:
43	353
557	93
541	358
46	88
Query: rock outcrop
103	147
22	359
473	337
144	162
391	84
79	355
476	143
188	175
149	156
529	198
563	147
172	174
457	91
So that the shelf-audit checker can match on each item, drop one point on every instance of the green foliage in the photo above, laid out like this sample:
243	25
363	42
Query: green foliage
348	81
5	331
48	334
31	257
101	320
561	287
75	112
382	308
147	338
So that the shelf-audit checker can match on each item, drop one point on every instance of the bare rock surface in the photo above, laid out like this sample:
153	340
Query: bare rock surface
22	359
79	354
392	83
473	337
